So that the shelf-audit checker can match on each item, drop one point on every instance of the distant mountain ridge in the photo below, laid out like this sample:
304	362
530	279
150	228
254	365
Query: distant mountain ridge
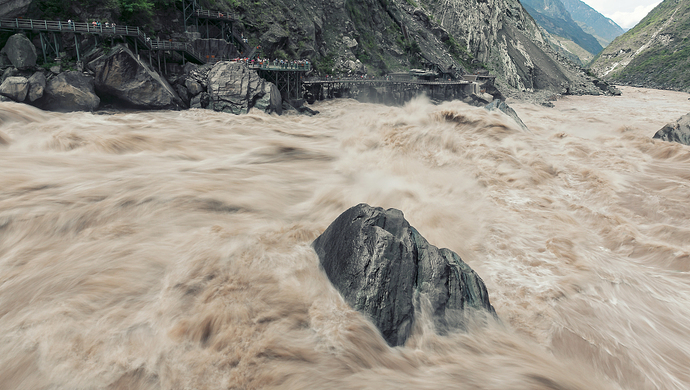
653	54
592	22
556	20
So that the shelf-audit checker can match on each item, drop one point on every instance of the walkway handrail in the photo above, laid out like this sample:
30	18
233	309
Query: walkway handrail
90	28
383	81
304	67
214	14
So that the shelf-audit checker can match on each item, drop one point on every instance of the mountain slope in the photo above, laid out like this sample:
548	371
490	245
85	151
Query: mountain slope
592	22
655	53
555	18
453	37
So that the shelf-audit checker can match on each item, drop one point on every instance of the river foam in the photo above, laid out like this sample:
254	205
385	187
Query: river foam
157	250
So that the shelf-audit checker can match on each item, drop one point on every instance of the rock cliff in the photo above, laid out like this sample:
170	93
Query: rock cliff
591	21
380	36
555	18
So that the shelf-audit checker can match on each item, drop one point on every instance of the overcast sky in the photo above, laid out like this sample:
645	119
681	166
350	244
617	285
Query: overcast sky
624	12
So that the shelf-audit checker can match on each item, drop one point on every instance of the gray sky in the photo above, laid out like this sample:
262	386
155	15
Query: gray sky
624	12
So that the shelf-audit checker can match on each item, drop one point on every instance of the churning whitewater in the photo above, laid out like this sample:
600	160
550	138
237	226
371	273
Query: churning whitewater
171	250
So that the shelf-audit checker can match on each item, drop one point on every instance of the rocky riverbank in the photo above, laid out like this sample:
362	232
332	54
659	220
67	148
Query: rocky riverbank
119	78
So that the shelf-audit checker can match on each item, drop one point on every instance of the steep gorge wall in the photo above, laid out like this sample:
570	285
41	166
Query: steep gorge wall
382	36
453	36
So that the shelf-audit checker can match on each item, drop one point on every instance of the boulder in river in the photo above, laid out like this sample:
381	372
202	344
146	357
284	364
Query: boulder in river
121	76
20	51
69	91
234	88
15	88
500	105
384	268
678	131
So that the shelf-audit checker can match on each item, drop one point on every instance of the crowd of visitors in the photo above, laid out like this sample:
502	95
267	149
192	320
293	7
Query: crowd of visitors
275	63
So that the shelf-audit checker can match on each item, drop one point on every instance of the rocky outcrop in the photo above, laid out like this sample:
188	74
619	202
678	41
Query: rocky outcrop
499	105
678	131
384	268
215	48
37	84
234	88
69	91
13	8
15	88
122	77
20	51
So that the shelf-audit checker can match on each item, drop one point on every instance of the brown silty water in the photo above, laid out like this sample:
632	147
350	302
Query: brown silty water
171	250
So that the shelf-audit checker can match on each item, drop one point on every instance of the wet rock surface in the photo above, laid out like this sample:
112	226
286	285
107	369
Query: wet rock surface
678	131
69	91
15	88
124	78
234	88
385	269
499	105
37	85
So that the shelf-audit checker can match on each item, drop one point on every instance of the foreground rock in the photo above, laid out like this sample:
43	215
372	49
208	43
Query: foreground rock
15	88
69	91
678	131
234	88
125	79
384	268
20	51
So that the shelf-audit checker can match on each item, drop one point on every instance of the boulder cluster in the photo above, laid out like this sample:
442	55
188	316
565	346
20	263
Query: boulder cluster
120	78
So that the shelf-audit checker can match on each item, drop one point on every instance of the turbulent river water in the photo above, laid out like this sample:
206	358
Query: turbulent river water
171	250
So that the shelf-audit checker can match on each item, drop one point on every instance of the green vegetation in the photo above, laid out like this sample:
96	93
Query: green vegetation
126	11
666	62
325	64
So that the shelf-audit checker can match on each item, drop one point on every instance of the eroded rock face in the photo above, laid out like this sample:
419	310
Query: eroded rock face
123	77
15	88
234	88
70	91
678	131
37	84
13	8
20	51
384	268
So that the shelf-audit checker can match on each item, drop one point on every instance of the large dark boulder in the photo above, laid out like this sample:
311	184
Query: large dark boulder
121	77
678	131
234	88
385	269
20	51
69	91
